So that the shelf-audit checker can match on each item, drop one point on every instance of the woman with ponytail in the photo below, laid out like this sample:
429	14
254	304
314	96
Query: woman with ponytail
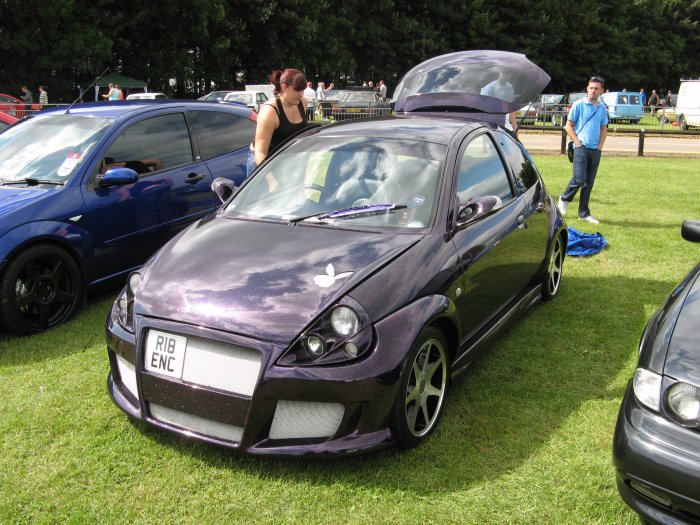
280	117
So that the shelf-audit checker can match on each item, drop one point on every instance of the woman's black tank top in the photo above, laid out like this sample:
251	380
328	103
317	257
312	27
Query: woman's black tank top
286	129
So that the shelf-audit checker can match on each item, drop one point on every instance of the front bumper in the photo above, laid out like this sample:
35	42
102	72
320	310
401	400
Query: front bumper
288	411
658	464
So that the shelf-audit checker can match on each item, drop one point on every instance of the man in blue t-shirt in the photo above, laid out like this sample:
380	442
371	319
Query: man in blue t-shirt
587	127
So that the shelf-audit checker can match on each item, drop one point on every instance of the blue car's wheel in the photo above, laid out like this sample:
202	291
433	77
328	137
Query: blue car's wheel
41	288
422	389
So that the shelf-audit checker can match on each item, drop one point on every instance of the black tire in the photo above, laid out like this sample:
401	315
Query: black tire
551	280
422	389
40	289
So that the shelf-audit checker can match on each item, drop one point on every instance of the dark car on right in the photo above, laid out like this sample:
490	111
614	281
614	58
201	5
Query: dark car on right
354	103
566	104
656	447
549	108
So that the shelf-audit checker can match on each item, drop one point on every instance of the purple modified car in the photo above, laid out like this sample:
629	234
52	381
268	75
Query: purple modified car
326	307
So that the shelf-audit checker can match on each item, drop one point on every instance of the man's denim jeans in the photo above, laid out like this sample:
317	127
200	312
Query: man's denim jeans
586	161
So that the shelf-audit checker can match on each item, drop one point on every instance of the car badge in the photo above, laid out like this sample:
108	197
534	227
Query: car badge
324	281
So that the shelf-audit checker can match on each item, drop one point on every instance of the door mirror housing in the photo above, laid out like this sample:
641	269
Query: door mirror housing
477	207
117	177
224	188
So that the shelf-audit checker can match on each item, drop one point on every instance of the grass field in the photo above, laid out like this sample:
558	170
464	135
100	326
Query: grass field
525	439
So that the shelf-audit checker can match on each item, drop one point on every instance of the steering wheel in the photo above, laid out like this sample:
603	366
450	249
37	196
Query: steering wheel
309	188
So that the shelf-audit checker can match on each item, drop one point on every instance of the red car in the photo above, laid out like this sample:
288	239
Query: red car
6	120
14	106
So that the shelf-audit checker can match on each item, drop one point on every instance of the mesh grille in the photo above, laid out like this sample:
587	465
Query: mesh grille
218	365
197	424
127	372
300	419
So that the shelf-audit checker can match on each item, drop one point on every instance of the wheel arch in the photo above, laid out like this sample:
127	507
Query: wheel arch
72	240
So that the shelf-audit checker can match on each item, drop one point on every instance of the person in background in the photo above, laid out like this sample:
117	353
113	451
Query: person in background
587	127
643	96
111	94
27	99
321	91
43	96
382	90
330	88
310	96
668	101
120	93
653	101
279	118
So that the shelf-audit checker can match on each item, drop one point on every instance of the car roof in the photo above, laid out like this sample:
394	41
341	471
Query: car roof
122	108
437	128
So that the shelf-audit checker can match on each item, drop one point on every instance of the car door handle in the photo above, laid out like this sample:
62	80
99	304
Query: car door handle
522	223
193	178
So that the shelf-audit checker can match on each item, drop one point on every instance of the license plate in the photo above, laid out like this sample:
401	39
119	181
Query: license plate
353	110
165	353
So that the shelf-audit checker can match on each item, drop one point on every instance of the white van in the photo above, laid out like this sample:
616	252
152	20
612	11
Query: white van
688	104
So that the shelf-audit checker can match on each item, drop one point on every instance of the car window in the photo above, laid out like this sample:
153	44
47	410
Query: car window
262	97
634	99
481	172
219	133
153	144
520	163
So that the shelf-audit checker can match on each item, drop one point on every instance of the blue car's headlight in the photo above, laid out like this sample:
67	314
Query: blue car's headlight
342	333
125	302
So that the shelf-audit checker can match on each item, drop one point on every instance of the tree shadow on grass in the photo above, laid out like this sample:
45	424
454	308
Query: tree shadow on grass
560	356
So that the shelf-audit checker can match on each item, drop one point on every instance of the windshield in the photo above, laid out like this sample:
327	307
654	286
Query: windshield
317	176
239	97
551	99
359	96
48	148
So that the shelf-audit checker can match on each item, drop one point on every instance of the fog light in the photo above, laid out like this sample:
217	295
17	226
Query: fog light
351	349
651	493
315	345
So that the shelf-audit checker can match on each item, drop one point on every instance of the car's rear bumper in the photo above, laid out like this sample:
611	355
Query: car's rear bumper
657	463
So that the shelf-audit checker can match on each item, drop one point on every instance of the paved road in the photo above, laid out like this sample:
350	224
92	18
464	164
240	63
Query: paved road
626	144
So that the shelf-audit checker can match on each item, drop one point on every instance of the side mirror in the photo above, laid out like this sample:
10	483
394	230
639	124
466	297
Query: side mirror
477	207
117	177
224	188
691	231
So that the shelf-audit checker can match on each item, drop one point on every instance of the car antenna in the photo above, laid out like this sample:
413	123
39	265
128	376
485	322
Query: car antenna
85	91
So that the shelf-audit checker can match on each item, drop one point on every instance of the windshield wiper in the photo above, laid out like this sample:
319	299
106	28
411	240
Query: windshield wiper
352	212
30	181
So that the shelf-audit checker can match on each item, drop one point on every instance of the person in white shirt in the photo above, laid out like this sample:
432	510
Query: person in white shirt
310	96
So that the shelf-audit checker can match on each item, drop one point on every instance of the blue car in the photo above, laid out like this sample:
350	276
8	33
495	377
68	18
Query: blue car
88	193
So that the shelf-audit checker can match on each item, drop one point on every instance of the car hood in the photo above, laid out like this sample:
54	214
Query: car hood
683	356
12	198
489	81
264	280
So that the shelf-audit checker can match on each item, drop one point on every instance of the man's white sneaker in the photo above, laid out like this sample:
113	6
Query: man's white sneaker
590	218
562	205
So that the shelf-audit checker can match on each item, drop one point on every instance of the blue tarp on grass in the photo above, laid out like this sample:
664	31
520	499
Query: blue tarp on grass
583	244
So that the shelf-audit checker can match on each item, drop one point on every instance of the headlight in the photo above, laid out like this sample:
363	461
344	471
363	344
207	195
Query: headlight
344	320
343	333
684	401
125	302
647	388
